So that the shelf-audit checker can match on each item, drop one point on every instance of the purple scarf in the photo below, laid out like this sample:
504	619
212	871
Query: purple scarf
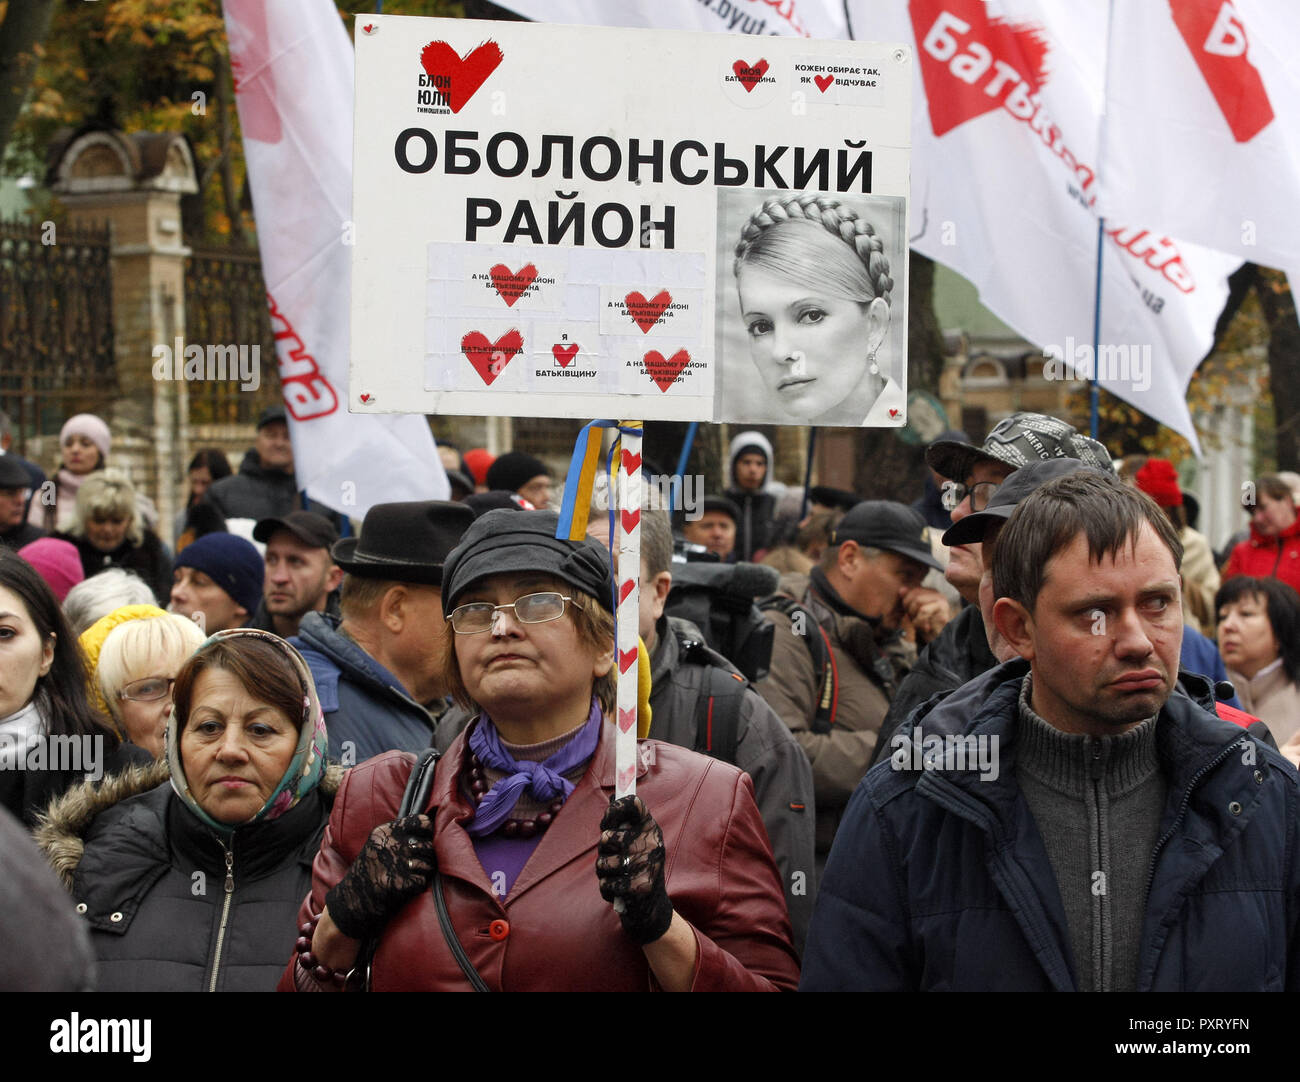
544	781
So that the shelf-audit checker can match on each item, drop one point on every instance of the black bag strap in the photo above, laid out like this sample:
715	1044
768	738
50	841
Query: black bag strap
717	721
419	788
823	658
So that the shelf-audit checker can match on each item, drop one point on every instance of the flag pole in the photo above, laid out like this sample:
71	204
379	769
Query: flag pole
807	473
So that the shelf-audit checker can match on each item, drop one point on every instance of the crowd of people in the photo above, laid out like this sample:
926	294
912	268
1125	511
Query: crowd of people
280	749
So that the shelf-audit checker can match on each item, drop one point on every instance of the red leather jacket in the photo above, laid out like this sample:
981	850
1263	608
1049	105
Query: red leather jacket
554	932
1268	557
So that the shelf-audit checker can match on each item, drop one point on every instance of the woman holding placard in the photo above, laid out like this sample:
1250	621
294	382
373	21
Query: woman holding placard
543	882
814	288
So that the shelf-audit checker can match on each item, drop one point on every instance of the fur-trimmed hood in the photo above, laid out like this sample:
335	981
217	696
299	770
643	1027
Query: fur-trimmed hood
61	831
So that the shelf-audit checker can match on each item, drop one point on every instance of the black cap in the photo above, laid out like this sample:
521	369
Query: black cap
884	524
721	503
515	469
405	542
498	500
270	414
1017	441
12	473
458	480
970	530
514	541
833	497
307	526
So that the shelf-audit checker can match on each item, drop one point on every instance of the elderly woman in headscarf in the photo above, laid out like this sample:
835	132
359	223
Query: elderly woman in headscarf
188	872
544	881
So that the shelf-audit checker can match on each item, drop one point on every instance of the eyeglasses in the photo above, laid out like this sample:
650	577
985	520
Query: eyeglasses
980	493
148	690
478	616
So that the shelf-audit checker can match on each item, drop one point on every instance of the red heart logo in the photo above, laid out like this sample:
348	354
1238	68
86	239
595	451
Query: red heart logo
823	81
952	100
626	719
625	778
664	370
625	590
631	519
631	461
564	354
626	659
490	358
512	286
457	77
893	413
369	28
749	74
365	398
645	314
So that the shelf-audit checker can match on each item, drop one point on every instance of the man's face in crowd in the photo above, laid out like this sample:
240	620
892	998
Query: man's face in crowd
965	562
11	507
1103	637
298	576
877	584
715	530
537	491
273	446
194	592
750	470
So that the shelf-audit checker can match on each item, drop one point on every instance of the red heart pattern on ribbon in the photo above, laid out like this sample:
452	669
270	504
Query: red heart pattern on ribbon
625	589
626	719
631	519
626	659
630	461
625	777
458	77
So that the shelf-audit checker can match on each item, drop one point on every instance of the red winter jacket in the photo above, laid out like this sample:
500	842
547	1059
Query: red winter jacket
553	931
1268	557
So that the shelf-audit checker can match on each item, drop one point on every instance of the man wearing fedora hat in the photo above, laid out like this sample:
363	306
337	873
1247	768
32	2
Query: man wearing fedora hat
377	666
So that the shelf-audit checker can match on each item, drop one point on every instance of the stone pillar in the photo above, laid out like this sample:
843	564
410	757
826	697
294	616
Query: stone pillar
135	183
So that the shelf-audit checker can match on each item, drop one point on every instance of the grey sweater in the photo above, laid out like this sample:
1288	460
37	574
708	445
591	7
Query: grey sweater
1097	802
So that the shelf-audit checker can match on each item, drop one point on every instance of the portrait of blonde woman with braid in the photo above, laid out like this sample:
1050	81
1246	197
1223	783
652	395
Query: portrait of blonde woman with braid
813	282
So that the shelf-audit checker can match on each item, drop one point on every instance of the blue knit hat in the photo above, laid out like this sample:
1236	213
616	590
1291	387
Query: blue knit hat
231	562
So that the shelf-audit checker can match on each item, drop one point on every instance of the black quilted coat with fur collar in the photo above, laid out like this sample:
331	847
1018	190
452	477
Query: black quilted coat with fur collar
170	906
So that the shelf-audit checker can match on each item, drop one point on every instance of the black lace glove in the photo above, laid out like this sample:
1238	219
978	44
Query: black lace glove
630	869
395	865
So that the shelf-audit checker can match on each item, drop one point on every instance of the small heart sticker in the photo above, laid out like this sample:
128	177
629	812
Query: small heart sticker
664	370
564	354
512	286
748	75
646	313
490	358
893	413
366	397
370	28
823	81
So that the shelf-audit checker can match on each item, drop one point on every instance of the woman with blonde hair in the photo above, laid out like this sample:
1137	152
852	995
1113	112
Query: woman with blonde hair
814	288
109	532
132	657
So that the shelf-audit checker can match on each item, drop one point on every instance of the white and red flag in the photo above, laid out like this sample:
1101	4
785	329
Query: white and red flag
1202	132
798	18
293	67
1006	157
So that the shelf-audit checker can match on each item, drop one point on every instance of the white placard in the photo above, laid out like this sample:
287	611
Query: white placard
560	221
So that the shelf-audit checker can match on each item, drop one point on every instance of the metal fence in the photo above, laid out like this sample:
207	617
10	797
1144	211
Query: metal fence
56	324
225	304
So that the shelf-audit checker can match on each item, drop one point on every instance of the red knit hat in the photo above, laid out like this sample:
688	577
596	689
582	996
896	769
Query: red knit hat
479	461
1159	480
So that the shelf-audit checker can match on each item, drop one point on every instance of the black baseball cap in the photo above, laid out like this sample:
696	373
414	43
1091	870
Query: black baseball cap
307	526
270	415
970	530
1016	441
721	503
884	524
12	474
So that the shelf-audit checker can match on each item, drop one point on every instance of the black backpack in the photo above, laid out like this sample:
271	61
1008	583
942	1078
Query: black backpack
717	714
719	600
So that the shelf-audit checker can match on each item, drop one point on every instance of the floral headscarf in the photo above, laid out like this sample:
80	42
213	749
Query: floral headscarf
305	768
